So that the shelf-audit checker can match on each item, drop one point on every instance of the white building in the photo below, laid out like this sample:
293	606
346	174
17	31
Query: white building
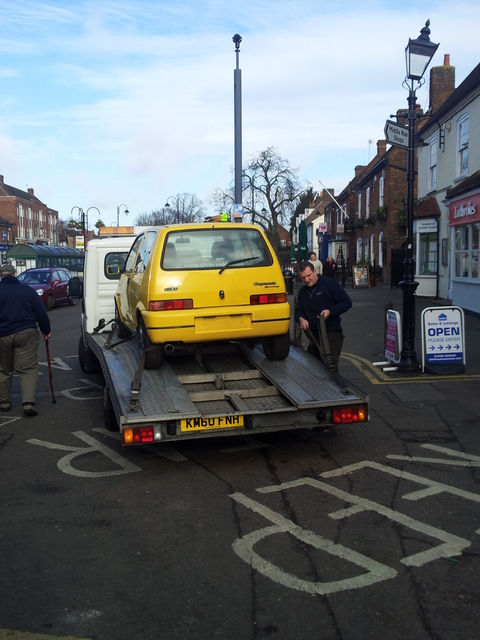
447	218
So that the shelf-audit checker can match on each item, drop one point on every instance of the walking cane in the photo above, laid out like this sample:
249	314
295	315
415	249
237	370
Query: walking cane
50	371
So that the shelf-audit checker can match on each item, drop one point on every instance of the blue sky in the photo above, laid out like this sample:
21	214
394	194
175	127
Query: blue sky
109	102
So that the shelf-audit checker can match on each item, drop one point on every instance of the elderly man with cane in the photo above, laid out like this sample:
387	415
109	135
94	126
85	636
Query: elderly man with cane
20	311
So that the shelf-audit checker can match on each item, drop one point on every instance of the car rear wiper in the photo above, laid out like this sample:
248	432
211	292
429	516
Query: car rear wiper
237	262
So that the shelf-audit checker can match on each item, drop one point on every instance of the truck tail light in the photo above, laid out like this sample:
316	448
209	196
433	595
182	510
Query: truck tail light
138	435
170	305
268	298
346	415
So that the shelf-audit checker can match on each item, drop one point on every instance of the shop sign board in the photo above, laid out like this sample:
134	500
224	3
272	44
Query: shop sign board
443	341
393	336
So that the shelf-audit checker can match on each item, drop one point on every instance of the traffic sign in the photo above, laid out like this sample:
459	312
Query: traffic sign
396	134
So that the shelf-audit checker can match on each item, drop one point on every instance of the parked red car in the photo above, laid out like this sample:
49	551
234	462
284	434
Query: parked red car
51	284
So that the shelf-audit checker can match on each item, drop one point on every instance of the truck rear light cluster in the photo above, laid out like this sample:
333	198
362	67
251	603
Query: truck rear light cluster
138	435
268	298
170	305
346	415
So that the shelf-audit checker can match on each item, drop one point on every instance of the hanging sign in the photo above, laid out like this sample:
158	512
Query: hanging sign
443	342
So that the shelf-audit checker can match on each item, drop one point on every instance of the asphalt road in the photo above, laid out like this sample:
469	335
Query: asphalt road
365	532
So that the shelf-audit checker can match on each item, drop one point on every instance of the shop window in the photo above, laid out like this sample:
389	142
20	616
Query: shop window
467	250
428	254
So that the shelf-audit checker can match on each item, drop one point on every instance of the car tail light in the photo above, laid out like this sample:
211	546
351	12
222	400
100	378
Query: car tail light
138	435
268	298
346	415
170	305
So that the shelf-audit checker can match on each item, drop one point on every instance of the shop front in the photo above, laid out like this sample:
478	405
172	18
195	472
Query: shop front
464	218
426	256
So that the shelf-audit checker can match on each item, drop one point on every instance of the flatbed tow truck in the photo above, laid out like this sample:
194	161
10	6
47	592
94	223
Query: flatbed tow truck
221	389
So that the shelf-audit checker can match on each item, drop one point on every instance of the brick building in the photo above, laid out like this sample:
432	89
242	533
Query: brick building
25	218
367	220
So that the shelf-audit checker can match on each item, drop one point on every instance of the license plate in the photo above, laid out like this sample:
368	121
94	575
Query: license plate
204	424
239	322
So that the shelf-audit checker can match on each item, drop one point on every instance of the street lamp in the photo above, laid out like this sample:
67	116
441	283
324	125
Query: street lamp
126	212
177	212
99	214
237	97
418	54
81	213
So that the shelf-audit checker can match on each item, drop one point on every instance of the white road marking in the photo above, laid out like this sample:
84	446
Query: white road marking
473	461
452	545
432	486
68	392
243	547
57	363
64	464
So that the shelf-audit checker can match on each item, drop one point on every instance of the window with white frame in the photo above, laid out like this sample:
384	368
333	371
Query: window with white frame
428	254
380	249
432	164
381	191
359	251
367	203
359	205
467	251
462	153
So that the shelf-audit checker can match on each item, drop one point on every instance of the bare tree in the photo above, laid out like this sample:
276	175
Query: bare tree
271	188
182	208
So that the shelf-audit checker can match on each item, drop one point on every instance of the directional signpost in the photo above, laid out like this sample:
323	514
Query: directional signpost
443	342
396	134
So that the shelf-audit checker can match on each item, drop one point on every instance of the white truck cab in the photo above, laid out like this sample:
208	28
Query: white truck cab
104	259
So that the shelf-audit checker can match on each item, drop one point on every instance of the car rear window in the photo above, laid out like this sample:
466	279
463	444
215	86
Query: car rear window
215	248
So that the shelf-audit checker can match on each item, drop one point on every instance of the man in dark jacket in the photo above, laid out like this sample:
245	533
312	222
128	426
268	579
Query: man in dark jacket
321	296
20	311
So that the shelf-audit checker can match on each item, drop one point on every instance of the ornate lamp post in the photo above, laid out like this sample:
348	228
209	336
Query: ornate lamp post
126	212
418	54
176	205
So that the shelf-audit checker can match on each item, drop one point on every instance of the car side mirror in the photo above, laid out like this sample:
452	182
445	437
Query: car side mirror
75	288
113	271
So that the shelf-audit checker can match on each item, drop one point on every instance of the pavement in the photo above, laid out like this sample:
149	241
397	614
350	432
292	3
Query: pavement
418	408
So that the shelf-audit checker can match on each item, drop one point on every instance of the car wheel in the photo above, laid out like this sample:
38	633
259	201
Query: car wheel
153	354
87	359
109	416
50	303
122	330
277	347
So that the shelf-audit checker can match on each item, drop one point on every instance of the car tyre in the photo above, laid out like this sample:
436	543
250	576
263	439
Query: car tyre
87	359
277	347
109	416
50	303
153	354
122	330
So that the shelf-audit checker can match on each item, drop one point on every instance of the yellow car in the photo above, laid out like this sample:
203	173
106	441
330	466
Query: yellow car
183	285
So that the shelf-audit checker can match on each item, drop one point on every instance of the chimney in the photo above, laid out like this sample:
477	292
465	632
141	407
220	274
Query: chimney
30	191
1	180
359	169
381	147
442	83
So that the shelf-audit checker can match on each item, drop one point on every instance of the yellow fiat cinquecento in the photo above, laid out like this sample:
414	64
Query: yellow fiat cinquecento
194	283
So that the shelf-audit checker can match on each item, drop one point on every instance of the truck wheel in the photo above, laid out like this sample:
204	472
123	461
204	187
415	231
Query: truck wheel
50	303
110	419
87	359
277	347
122	330
154	355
